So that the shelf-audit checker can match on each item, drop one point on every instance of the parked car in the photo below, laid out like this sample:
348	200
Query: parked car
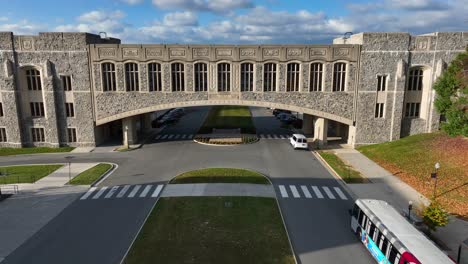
286	118
171	120
298	141
177	112
277	111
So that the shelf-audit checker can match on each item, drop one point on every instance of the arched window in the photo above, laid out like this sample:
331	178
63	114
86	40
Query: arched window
224	77
108	77
415	79
269	77
339	77
33	78
201	77
154	77
292	77
131	77
247	74
316	77
177	76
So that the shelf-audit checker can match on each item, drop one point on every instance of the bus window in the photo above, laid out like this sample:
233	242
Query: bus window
383	244
356	211
361	217
394	256
371	230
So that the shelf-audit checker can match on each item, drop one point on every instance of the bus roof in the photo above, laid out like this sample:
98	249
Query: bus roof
413	240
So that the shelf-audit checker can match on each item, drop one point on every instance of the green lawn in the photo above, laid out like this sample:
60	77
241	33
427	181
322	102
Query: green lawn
26	174
89	176
348	174
221	175
22	151
228	117
228	230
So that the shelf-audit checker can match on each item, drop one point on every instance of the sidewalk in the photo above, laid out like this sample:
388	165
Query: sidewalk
385	186
219	189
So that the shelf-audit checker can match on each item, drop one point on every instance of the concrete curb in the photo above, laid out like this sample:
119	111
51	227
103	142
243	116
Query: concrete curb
226	145
106	174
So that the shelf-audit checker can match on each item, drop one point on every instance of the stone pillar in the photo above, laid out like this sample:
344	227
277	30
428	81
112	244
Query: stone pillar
146	122
129	129
352	136
307	124
320	130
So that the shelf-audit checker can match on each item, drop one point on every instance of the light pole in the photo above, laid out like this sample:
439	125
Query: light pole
410	207
69	158
434	176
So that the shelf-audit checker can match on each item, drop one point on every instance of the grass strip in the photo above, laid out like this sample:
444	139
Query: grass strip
36	150
26	174
89	176
348	174
221	175
228	117
228	230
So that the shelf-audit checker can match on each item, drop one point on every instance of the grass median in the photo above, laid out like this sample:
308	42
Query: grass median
212	230
348	174
26	173
221	175
36	150
91	175
228	117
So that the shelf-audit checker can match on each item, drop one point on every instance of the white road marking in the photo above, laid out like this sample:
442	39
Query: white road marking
157	137
146	190
294	191
134	191
170	136
157	191
340	193
100	192
183	136
123	191
306	191
111	192
328	192
88	193
282	137
283	191
190	136
177	136
164	136
317	192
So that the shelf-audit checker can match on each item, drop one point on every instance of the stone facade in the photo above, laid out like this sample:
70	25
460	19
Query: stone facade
81	55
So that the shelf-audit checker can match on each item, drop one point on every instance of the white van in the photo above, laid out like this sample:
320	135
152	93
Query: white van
298	141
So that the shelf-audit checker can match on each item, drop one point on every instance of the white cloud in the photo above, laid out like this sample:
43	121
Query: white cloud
23	27
216	6
181	19
3	19
132	2
416	4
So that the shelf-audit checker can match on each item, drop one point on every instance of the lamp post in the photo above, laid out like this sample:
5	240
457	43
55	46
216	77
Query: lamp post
434	176
69	158
410	207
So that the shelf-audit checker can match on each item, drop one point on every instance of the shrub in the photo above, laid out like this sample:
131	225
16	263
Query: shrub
435	216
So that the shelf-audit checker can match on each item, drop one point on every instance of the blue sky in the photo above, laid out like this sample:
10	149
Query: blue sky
231	21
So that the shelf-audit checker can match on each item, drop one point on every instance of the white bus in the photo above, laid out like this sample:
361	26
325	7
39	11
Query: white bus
390	238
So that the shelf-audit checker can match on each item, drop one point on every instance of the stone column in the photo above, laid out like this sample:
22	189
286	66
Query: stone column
146	122
307	124
320	130
352	136
129	128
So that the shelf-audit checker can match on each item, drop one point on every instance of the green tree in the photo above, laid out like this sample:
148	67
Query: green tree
435	216
452	96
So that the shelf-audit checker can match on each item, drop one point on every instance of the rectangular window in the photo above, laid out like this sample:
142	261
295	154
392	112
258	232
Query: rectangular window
339	77
108	77
224	77
66	82
412	109
3	137
379	110
316	77
293	77
71	134
37	134
201	77
154	77
177	75
1	109
69	109
33	78
415	80
247	75
381	83
131	77
269	77
37	109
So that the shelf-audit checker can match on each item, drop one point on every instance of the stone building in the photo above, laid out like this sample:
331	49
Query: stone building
80	89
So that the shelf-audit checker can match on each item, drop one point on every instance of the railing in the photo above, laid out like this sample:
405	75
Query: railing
8	189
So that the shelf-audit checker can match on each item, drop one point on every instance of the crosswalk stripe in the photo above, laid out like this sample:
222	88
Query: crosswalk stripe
190	136
282	137
123	191
134	191
177	136
263	136
88	193
164	136
328	192
340	193
170	136
183	136
157	191
274	136
157	137
146	190
306	191
111	192
317	192
283	191
100	192
294	191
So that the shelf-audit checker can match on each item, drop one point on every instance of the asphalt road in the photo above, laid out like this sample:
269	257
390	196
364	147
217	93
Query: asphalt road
98	231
